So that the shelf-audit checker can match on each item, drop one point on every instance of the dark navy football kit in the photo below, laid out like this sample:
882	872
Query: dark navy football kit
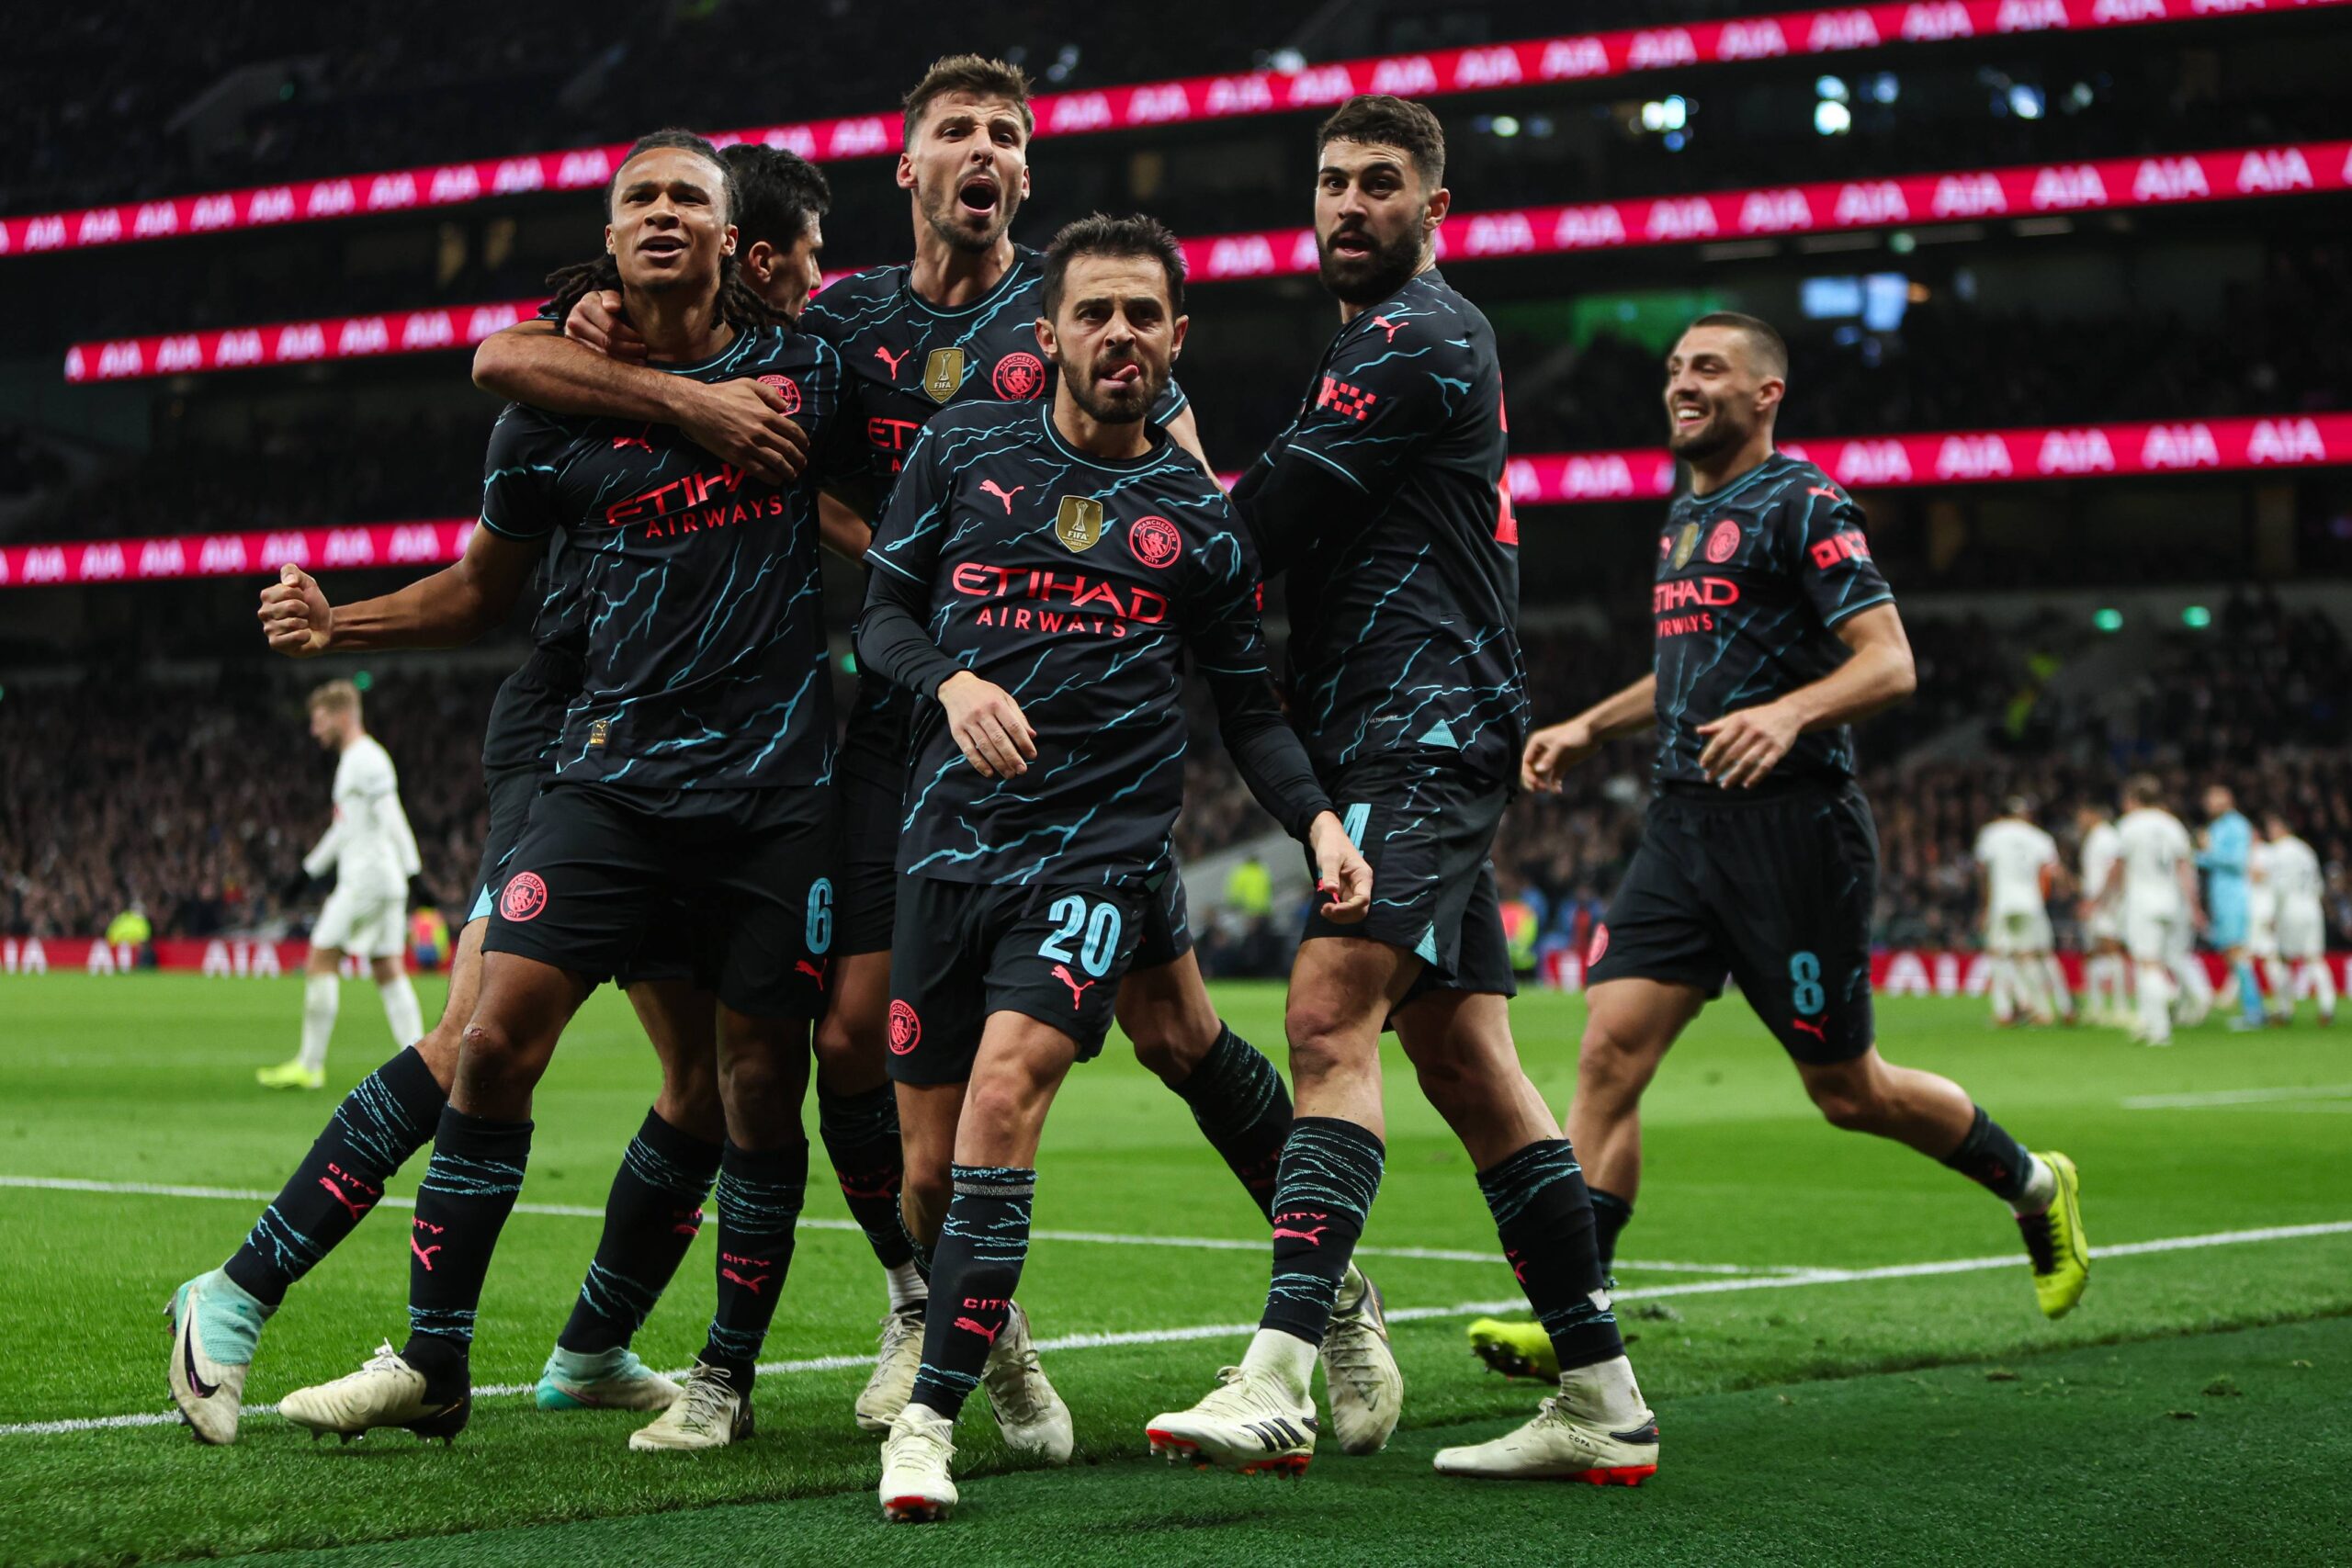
1773	885
1078	584
905	359
1384	501
694	765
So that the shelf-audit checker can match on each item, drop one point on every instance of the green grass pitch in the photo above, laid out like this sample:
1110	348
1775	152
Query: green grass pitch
1824	1395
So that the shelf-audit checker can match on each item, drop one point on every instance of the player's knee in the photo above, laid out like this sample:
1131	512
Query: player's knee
1852	1105
1324	1040
1452	1084
1167	1045
1611	1059
493	1053
927	1187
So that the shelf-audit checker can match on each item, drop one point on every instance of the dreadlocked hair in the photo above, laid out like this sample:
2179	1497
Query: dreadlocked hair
739	305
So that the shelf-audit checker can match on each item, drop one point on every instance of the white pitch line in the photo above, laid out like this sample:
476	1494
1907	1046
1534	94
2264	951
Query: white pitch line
1199	1243
1101	1339
2218	1098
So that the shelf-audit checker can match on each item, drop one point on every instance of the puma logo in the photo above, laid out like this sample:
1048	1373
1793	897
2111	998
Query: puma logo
1517	1267
424	1254
1312	1238
1813	1029
359	1210
988	1333
1391	328
1076	991
1817	489
688	1226
642	441
814	971
751	1285
885	357
1003	495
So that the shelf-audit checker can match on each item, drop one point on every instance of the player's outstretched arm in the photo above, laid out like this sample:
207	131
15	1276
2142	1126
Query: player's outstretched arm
1552	750
1742	747
741	422
454	605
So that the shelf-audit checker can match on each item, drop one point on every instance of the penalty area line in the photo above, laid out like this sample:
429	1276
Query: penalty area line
1099	1340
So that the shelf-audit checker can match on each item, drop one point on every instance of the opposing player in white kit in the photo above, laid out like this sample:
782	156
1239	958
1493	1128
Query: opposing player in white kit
2290	882
2018	868
2155	872
2106	987
372	853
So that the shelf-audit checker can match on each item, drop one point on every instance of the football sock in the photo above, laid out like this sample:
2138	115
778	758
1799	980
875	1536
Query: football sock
908	1286
1243	1109
1605	1391
2002	987
1545	1220
860	1134
982	1244
1330	1169
2249	994
468	1189
917	1253
652	1217
321	995
1611	1214
400	1010
1997	1162
2154	1002
387	1117
2322	986
2062	994
760	1194
2281	985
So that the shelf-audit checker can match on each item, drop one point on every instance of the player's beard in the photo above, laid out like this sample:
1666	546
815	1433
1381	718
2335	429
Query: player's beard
943	213
1134	403
1373	276
1717	433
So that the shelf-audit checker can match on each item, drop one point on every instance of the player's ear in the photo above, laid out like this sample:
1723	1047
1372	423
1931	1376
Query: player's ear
609	248
727	242
1769	393
1440	203
906	175
759	264
1046	337
1176	337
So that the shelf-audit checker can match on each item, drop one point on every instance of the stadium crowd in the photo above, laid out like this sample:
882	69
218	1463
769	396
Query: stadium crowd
212	792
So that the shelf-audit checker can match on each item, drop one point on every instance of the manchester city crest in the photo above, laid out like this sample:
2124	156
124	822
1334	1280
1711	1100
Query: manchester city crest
942	373
1077	523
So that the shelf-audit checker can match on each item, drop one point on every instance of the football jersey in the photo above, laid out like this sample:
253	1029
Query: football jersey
2294	871
2229	847
905	359
2013	853
2100	851
2153	846
526	715
369	846
697	582
1403	610
1075	583
1753	582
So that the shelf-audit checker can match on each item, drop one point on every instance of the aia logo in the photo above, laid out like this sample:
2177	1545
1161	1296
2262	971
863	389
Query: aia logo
525	896
1599	945
1155	542
906	1028
1723	542
1018	377
789	387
